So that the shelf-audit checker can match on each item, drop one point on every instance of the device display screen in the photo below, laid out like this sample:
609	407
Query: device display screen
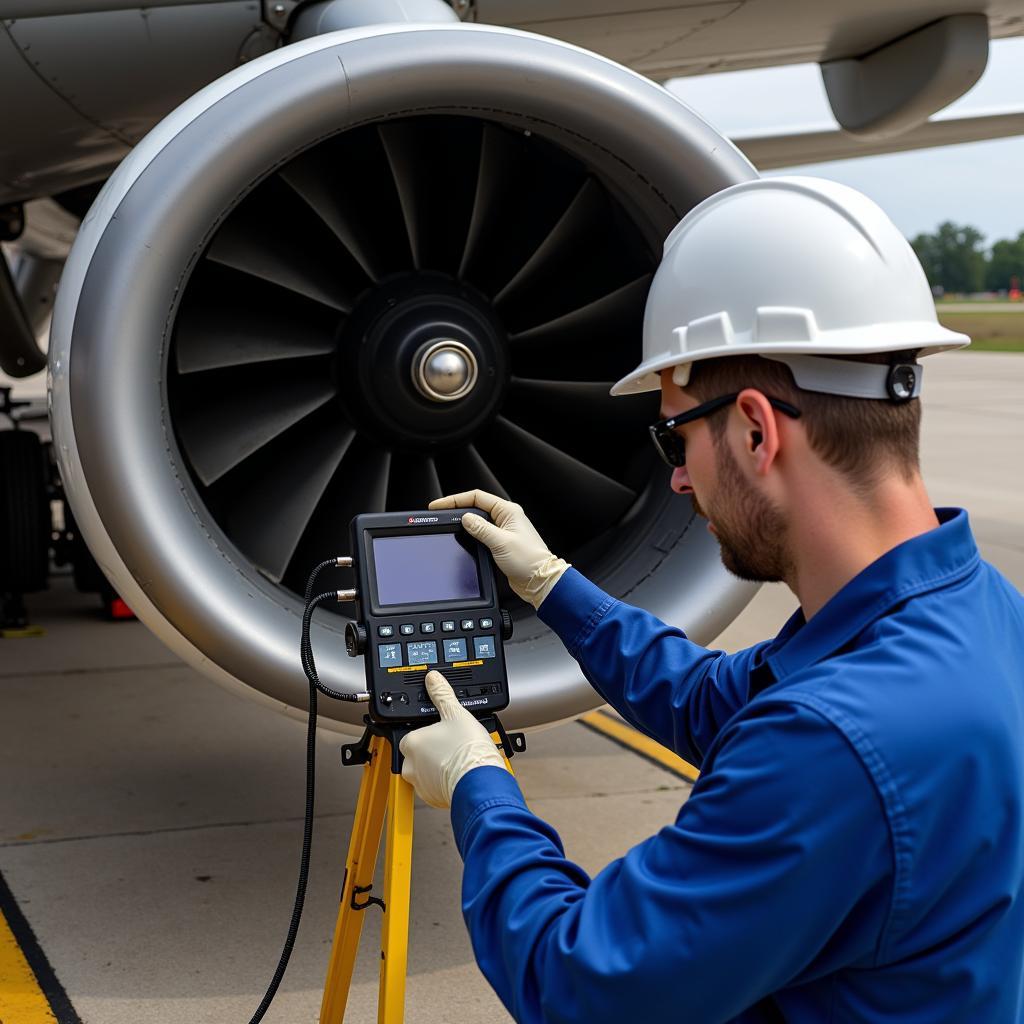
422	568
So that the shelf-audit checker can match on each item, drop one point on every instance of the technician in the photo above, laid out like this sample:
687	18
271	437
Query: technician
854	847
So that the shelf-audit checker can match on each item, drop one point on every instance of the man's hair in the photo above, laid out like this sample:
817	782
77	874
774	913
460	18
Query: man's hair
863	438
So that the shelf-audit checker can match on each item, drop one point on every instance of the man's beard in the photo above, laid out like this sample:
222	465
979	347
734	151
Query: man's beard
750	530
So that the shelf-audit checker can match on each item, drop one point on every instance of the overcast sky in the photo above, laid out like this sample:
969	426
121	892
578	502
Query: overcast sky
980	183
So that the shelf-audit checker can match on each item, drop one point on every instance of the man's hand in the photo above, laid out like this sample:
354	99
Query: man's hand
437	756
518	550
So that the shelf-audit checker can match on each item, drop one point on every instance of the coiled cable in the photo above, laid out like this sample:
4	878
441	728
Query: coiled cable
309	667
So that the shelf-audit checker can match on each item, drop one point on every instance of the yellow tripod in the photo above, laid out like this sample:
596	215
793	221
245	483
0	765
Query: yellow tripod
383	793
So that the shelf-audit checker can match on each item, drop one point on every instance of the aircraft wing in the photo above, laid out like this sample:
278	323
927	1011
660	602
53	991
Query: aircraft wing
669	38
790	149
886	66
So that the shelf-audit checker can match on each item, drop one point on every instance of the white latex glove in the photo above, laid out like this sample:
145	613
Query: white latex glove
518	550
437	756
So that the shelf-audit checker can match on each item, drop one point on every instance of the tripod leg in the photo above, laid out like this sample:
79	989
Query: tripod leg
359	867
397	885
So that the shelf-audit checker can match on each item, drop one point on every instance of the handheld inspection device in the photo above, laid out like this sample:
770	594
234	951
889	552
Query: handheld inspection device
426	599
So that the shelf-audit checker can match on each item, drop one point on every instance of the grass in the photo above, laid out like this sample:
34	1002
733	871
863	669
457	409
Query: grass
997	345
989	332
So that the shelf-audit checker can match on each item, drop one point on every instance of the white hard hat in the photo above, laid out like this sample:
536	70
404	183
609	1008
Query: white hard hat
788	267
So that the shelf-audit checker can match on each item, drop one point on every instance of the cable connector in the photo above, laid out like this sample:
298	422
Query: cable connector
347	595
343	562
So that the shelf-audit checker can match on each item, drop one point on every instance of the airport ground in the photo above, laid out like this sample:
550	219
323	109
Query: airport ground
151	822
992	326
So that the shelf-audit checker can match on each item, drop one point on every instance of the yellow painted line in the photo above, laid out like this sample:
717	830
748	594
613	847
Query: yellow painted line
464	664
619	731
21	999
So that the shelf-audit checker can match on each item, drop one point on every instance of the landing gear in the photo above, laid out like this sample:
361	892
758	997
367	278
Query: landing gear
24	520
70	549
30	488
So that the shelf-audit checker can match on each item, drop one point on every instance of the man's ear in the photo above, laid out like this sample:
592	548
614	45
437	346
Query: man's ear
760	430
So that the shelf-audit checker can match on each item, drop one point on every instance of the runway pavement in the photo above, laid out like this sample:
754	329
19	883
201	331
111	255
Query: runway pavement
150	822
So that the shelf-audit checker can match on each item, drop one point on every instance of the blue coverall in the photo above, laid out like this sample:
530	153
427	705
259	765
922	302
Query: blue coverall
853	849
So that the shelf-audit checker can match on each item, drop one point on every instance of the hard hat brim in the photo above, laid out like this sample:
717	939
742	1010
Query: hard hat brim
926	337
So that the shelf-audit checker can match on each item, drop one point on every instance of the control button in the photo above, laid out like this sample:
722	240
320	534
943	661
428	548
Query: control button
407	629
468	624
454	650
486	623
483	646
460	691
426	627
404	698
448	626
385	699
385	631
422	696
389	655
422	652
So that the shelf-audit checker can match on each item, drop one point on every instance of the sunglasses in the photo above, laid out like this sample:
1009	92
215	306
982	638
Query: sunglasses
670	444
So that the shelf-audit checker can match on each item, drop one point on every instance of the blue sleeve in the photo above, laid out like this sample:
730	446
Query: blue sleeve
764	869
670	688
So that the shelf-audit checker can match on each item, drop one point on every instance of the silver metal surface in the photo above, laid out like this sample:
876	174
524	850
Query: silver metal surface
900	85
131	494
277	12
72	125
444	370
336	15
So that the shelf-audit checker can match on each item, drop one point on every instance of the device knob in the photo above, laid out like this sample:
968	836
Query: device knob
506	625
355	639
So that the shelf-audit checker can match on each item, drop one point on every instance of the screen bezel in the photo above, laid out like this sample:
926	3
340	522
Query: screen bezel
486	579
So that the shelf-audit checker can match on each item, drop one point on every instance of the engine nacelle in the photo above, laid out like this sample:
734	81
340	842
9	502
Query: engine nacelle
236	348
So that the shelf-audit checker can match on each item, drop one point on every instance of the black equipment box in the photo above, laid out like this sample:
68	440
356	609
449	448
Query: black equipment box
427	599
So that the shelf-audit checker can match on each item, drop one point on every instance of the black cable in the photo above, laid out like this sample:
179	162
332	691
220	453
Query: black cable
326	564
309	667
313	575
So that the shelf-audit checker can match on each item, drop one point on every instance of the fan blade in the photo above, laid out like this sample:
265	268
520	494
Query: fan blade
497	159
270	515
584	421
544	475
466	470
585	206
413	483
224	425
231	319
587	342
434	162
275	236
524	185
589	318
315	181
359	485
402	162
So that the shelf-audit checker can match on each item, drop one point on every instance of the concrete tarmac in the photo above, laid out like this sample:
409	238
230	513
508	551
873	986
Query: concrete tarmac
151	822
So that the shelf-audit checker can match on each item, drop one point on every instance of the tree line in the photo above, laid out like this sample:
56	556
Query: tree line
954	260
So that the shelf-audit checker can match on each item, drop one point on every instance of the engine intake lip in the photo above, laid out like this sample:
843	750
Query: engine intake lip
121	464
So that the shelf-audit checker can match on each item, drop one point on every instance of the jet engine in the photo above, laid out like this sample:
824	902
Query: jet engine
361	271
